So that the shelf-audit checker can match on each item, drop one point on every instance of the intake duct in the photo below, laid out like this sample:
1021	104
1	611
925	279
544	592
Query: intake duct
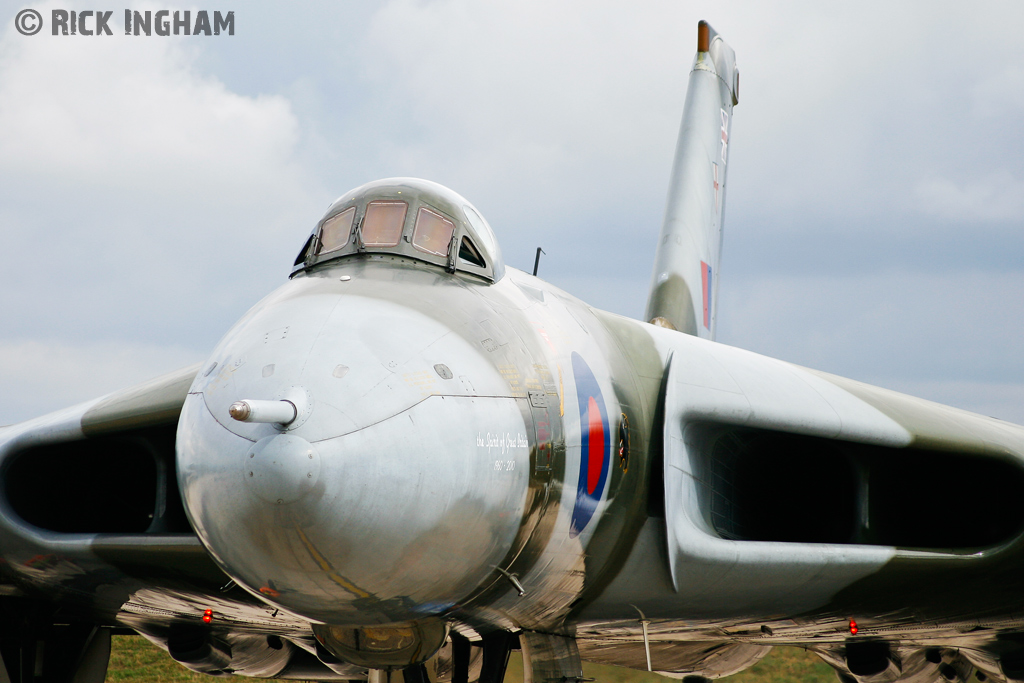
123	483
872	661
761	485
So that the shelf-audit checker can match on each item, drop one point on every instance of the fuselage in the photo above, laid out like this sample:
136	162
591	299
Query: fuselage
458	441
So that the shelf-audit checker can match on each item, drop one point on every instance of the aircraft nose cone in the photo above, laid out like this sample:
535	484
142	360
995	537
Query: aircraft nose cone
281	469
377	496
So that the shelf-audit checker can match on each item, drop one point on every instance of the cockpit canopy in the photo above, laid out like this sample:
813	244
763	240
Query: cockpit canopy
406	217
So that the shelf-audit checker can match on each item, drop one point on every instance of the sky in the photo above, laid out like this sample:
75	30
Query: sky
153	188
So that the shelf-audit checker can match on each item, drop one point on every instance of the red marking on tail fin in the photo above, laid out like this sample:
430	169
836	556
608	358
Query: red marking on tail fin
705	285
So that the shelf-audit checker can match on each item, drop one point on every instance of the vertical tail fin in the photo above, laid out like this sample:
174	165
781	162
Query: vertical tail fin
686	263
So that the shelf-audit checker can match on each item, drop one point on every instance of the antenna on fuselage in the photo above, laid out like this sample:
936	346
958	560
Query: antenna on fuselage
536	261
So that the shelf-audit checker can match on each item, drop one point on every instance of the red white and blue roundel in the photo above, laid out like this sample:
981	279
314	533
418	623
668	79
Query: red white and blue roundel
595	454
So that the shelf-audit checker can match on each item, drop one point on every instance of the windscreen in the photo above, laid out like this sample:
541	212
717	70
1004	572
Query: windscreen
336	230
382	225
433	232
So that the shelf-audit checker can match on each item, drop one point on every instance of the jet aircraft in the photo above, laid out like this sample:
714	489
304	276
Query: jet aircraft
411	457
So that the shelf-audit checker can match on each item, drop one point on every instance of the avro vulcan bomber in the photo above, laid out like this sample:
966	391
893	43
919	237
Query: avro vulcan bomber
412	457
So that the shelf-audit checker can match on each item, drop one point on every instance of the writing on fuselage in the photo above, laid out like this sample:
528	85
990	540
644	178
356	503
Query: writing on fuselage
502	443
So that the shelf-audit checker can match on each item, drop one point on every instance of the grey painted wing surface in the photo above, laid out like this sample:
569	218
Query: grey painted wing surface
154	402
934	424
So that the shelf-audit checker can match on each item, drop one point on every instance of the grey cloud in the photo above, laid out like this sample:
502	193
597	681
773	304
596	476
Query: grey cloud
995	197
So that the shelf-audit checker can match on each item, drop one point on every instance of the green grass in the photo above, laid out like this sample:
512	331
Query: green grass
133	659
788	665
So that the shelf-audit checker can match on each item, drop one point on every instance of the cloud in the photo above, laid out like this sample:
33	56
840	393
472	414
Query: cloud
142	201
892	326
498	102
38	375
137	115
128	129
997	197
134	134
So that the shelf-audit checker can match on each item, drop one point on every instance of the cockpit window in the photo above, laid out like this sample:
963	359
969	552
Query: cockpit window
407	223
433	232
336	230
305	250
469	252
382	224
483	230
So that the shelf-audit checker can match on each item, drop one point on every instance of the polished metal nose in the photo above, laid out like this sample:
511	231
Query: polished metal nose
362	496
281	469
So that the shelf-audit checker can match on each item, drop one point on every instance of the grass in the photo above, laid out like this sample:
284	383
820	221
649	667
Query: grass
133	659
788	665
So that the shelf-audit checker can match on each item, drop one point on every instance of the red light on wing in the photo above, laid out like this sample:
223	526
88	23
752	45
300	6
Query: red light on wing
853	627
208	616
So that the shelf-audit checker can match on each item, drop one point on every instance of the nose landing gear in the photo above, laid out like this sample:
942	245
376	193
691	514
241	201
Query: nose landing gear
546	657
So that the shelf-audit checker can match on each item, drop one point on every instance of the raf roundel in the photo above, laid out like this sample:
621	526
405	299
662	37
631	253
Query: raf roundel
595	449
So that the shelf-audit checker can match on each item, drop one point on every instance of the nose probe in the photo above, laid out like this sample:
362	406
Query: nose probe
271	412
